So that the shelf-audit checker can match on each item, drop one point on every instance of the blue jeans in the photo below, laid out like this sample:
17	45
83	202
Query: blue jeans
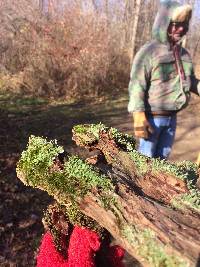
159	144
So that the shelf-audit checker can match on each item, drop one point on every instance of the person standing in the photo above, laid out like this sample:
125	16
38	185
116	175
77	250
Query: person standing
162	78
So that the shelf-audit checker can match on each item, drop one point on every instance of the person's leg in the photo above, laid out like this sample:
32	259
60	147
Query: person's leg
166	138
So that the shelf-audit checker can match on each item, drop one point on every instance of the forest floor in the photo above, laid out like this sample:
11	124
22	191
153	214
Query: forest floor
21	207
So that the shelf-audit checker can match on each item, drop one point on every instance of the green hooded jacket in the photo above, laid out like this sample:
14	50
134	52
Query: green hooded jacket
155	83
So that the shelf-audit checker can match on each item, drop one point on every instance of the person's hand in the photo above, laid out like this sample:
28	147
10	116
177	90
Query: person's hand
142	127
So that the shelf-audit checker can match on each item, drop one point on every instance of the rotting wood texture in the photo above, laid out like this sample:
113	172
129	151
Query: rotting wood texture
152	210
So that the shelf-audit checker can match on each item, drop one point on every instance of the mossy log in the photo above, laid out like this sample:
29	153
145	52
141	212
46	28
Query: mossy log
150	206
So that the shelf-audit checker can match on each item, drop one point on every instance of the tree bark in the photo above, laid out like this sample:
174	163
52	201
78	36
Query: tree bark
138	4
140	214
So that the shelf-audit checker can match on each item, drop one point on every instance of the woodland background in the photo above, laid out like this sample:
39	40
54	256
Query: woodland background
78	48
63	63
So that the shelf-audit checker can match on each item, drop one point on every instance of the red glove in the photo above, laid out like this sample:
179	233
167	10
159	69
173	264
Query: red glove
48	256
115	256
81	252
82	247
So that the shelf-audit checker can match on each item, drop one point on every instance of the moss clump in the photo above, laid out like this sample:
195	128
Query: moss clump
92	132
141	162
74	180
192	199
186	170
82	178
150	249
37	159
124	141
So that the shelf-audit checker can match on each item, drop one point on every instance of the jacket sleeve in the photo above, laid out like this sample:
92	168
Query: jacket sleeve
139	80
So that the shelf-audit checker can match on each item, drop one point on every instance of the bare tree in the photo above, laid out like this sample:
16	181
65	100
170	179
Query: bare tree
137	5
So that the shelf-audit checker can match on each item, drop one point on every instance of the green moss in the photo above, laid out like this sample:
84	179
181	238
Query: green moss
124	141
141	162
91	130
186	170
191	199
36	160
73	181
148	247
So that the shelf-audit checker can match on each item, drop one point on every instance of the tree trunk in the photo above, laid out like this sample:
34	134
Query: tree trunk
44	6
135	28
152	210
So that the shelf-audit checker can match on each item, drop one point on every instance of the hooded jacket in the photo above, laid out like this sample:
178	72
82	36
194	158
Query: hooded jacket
156	83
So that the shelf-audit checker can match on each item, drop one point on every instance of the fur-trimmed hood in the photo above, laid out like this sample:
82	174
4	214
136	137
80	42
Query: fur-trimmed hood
169	11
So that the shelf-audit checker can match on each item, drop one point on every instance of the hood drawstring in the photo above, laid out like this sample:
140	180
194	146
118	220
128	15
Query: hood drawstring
178	62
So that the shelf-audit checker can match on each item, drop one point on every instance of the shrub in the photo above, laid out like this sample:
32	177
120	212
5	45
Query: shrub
70	54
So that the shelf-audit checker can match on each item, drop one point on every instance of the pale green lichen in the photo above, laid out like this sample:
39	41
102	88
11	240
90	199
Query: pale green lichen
82	177
149	248
191	199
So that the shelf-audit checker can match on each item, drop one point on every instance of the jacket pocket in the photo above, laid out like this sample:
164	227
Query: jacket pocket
187	65
165	68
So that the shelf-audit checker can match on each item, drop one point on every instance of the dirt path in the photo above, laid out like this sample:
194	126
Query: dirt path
187	141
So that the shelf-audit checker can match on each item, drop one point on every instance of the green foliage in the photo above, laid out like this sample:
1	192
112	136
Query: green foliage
190	174
91	130
185	170
191	200
150	248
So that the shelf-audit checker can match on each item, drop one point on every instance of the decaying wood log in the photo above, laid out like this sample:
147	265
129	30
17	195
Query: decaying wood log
151	207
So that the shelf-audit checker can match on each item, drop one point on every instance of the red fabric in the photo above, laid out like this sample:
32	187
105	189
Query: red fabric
82	247
48	255
115	256
81	252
